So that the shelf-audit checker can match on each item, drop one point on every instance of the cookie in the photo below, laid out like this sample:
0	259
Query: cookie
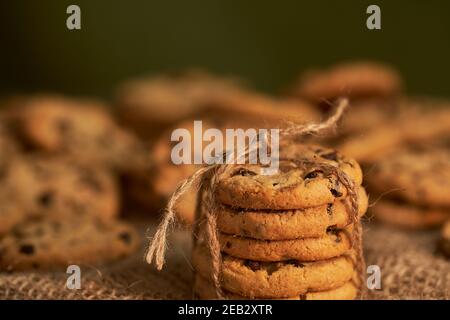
10	213
276	279
411	127
288	225
364	115
81	128
149	105
56	243
354	80
46	185
335	243
205	290
295	186
408	216
444	242
419	176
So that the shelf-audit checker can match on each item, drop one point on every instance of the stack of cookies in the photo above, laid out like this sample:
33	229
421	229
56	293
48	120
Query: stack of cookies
284	236
413	184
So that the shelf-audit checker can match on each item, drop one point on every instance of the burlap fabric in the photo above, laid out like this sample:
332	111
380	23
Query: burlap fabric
410	268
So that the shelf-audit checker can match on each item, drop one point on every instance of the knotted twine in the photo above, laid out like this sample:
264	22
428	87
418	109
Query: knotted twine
206	178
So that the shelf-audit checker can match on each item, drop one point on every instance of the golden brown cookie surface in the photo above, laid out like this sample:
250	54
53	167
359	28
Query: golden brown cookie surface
296	185
276	279
348	291
291	224
335	243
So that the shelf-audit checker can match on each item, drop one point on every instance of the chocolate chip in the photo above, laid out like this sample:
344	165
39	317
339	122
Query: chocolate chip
63	125
330	156
125	237
332	229
338	238
45	199
313	174
336	193
330	209
244	172
228	244
295	263
254	265
275	184
27	249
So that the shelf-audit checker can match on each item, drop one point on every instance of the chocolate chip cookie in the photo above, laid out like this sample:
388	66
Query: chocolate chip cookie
47	186
81	128
205	290
355	80
152	104
419	176
288	225
413	126
276	279
300	183
49	243
404	215
335	243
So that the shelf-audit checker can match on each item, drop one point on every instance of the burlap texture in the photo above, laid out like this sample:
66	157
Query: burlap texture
410	268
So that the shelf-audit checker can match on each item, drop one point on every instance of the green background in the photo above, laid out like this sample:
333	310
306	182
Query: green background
266	42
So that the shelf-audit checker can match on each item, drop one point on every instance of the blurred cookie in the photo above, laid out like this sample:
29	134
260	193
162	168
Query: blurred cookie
275	279
295	186
152	104
81	128
420	176
410	127
444	242
57	243
408	216
354	80
205	290
48	186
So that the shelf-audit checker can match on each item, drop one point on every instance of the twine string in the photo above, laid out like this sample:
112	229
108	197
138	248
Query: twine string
158	244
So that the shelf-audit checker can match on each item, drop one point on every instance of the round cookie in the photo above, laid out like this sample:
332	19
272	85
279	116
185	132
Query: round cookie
150	105
205	290
422	176
47	186
82	128
444	242
56	243
334	244
354	80
275	279
294	186
291	224
408	216
409	127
